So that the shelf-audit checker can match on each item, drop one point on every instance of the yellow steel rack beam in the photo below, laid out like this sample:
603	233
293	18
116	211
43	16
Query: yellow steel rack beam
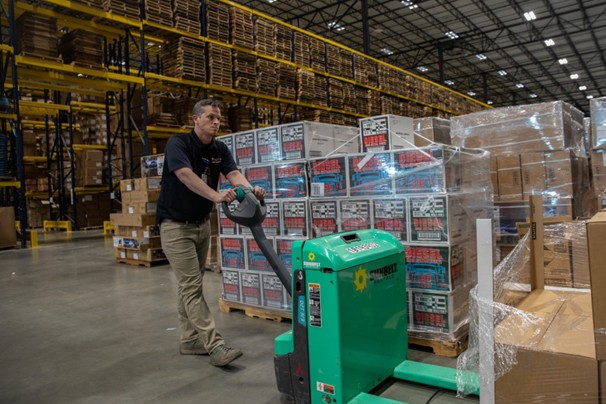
79	105
42	125
10	184
6	48
49	64
90	190
152	128
34	159
27	105
8	116
52	80
79	147
355	52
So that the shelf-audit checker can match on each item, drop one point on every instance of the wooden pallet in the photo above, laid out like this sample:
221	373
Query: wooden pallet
283	37
146	264
447	347
217	21
241	28
227	306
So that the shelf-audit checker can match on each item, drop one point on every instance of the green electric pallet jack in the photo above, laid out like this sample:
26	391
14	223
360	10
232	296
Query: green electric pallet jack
349	320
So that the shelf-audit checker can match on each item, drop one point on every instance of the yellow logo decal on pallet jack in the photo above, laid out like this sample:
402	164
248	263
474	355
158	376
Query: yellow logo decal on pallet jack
360	278
311	256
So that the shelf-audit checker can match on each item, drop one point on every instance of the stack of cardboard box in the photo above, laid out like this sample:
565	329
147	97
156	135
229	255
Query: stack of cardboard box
89	168
137	238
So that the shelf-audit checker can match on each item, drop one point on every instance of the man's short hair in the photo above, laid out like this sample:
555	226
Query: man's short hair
204	103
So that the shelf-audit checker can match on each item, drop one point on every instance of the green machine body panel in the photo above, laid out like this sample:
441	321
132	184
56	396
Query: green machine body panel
356	311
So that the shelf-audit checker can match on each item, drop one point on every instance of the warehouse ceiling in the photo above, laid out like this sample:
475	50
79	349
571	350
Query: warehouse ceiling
503	52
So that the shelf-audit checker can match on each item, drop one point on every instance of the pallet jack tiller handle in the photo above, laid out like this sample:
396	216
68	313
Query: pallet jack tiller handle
251	212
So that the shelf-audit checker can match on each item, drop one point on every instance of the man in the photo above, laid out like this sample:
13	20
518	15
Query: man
190	178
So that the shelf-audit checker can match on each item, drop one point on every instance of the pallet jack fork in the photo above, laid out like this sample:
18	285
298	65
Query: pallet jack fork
349	320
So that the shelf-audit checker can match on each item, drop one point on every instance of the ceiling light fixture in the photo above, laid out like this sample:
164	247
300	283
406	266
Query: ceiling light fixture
406	3
549	42
530	16
520	85
422	69
489	102
471	93
589	97
582	88
481	56
451	35
335	26
271	1
563	61
574	76
502	73
532	95
449	82
387	51
413	6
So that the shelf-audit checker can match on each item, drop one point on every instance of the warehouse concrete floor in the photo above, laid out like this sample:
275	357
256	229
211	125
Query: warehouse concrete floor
76	327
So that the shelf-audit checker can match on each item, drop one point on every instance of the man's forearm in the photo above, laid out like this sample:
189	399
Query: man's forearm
195	184
236	178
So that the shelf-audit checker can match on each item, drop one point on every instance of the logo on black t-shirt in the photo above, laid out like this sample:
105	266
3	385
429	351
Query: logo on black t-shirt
216	160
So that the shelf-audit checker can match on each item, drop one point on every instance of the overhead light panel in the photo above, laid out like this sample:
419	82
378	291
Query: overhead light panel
271	1
413	6
582	88
387	51
502	73
335	26
489	102
589	97
532	95
520	85
471	93
407	3
422	69
451	35
530	16
481	56
449	82
563	61
549	42
574	76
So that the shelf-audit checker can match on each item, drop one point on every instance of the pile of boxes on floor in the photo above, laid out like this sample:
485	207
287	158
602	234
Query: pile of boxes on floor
137	237
549	343
428	197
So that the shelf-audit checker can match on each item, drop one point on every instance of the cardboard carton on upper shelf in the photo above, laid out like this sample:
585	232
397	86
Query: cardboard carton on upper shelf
386	132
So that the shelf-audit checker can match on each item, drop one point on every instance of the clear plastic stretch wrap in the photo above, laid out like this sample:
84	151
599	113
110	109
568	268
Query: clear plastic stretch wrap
597	108
519	129
428	197
544	347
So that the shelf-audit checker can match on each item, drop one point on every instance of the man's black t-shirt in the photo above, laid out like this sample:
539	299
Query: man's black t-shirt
178	202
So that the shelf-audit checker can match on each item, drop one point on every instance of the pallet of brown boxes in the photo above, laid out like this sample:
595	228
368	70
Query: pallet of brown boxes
548	342
137	237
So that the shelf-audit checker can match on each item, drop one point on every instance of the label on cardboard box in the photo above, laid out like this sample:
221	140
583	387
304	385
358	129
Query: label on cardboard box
390	215
429	219
256	258
251	287
244	146
291	180
354	214
328	177
295	217
271	223
324	217
370	174
273	291
434	267
293	141
232	252
262	176
231	285
227	226
268	144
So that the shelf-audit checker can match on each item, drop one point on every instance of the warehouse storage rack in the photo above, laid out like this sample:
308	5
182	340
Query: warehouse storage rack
133	66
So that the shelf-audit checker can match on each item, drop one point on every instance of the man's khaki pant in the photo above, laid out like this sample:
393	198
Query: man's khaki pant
186	247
